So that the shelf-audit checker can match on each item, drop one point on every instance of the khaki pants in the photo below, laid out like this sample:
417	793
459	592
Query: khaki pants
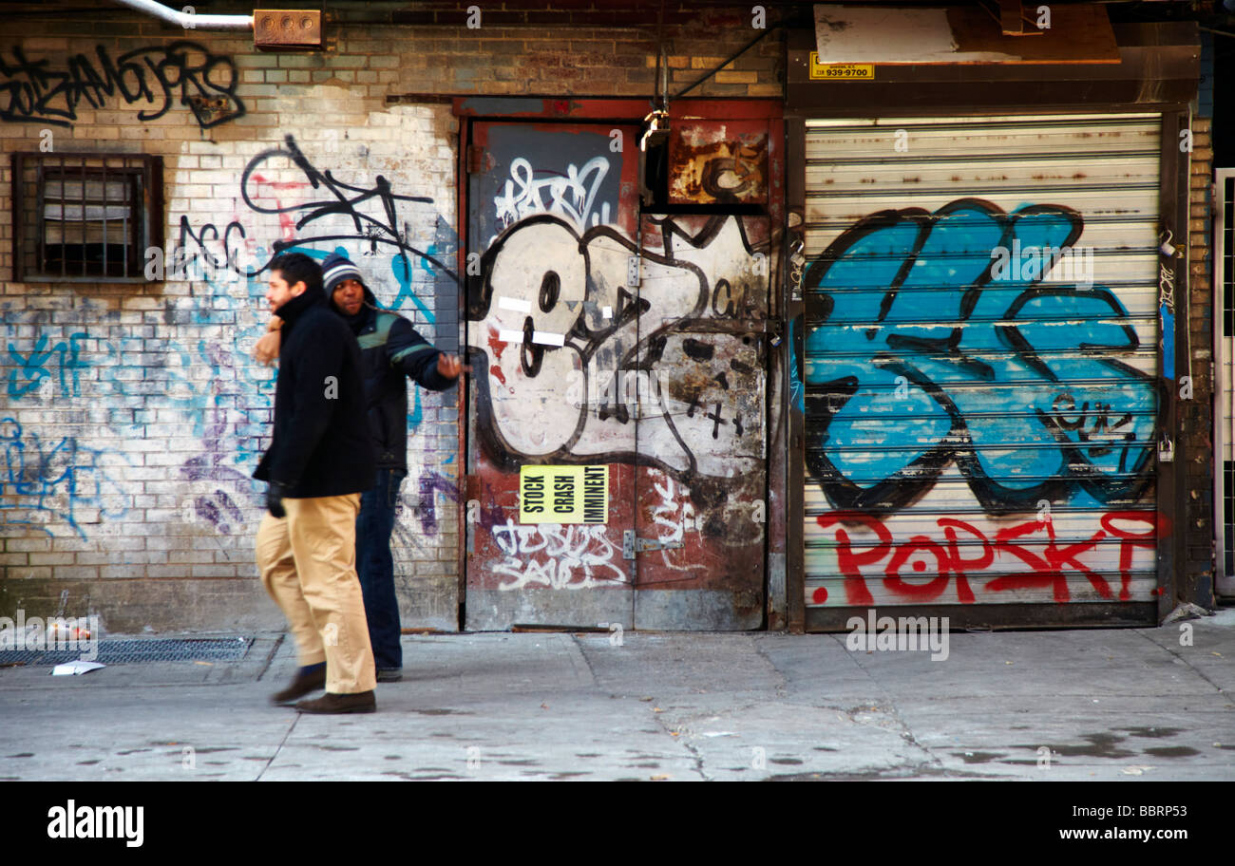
308	564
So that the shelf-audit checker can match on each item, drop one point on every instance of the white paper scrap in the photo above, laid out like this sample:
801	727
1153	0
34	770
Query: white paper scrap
548	338
75	668
518	304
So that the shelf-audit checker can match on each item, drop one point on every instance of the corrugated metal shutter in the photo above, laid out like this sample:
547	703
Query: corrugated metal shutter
978	433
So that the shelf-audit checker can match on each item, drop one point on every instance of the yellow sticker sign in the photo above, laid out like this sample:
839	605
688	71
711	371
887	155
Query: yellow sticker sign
563	494
840	71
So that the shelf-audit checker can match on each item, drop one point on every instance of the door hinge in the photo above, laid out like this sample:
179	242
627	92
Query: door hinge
632	545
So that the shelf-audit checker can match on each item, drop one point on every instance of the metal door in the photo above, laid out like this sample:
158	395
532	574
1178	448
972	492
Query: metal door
594	344
982	340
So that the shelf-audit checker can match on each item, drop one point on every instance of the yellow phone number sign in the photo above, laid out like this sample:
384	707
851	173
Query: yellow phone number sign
840	71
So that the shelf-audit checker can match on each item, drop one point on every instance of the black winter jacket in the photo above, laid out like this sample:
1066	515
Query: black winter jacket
321	444
392	350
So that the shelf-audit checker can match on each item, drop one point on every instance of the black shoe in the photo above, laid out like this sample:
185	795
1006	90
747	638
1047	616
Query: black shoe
301	685
359	702
389	675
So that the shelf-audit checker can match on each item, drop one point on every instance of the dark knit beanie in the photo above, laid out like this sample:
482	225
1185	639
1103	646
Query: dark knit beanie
336	269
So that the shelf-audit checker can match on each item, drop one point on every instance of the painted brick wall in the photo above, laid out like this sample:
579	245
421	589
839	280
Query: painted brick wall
132	416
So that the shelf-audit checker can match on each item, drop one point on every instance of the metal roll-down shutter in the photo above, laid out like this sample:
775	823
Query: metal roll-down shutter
981	344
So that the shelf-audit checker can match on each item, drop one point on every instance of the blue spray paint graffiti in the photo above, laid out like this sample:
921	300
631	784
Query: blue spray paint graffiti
31	369
54	482
921	354
797	395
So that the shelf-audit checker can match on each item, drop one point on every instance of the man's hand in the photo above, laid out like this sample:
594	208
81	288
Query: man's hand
266	352
274	499
451	366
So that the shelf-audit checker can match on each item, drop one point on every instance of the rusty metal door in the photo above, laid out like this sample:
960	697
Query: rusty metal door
595	343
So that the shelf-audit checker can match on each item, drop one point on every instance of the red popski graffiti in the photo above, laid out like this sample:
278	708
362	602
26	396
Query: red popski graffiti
1031	543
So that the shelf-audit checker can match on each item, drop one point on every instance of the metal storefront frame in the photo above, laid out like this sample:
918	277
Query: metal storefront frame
1155	194
1224	381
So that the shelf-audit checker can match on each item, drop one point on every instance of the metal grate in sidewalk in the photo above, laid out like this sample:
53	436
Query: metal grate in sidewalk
121	651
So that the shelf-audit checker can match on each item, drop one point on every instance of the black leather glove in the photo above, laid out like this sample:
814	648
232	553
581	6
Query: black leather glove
274	499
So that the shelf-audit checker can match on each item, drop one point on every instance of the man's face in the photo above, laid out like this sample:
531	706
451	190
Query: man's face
278	292
348	296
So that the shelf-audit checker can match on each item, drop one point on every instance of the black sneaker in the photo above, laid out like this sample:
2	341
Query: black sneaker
389	675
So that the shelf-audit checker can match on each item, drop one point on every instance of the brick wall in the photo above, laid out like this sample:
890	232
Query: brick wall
136	415
1197	414
607	51
133	415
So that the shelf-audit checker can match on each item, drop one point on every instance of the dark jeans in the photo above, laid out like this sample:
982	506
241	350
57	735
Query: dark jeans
375	566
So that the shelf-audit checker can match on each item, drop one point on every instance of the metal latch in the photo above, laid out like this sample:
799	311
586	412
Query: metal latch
632	545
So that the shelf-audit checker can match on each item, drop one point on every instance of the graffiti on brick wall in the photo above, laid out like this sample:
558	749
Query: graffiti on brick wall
30	370
158	76
373	212
167	374
924	353
313	206
47	483
129	377
573	355
368	221
234	425
128	381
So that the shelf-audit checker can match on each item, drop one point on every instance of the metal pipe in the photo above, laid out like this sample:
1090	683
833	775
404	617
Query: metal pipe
191	21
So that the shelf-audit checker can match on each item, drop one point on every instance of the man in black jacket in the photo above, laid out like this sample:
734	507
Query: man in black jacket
319	461
393	353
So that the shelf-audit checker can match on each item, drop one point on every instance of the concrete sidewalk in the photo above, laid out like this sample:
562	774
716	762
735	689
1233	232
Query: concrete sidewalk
1111	704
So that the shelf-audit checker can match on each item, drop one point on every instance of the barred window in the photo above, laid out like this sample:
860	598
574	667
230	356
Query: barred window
85	216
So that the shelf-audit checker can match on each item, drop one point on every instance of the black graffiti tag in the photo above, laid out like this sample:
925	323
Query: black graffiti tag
339	198
182	73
